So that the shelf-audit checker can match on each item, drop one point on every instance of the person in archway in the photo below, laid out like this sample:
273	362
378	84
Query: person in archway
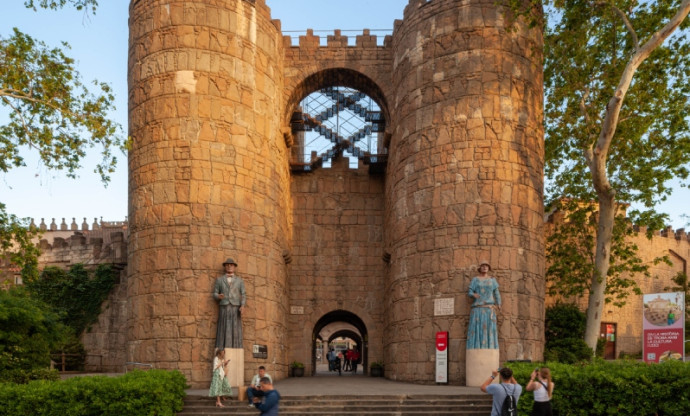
347	360
355	360
229	291
331	359
482	332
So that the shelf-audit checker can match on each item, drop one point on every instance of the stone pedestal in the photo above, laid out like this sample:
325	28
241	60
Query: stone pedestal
479	364
234	371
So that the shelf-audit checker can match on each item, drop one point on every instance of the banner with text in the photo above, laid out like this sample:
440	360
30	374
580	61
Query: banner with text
663	324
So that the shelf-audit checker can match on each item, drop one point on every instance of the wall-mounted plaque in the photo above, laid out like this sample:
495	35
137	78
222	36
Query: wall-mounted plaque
445	306
260	351
296	310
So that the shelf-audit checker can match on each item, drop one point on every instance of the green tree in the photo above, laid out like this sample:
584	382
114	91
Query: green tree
29	331
564	329
617	80
51	112
570	250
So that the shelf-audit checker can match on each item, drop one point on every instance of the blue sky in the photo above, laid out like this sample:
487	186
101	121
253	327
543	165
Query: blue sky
99	45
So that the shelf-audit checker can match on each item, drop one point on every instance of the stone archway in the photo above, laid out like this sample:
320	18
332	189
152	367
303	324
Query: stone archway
358	333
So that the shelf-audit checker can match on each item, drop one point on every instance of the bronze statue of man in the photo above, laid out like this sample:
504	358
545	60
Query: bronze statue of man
229	291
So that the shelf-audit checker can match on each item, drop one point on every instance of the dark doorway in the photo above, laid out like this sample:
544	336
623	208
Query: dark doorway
357	333
608	332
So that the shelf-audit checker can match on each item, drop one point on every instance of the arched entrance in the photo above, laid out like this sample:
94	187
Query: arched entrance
336	324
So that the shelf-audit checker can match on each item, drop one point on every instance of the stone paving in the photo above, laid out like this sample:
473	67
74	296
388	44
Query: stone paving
330	384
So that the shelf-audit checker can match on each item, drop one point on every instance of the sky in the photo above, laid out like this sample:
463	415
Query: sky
99	45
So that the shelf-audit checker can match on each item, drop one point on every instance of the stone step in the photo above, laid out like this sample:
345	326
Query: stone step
437	405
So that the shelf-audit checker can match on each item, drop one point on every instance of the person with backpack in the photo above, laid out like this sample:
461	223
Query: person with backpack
505	395
542	386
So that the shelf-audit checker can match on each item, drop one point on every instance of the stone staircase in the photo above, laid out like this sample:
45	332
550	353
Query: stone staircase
379	405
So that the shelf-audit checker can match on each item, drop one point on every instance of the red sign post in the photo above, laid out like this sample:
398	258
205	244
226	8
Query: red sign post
442	357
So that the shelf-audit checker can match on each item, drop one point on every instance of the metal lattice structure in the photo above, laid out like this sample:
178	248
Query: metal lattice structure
336	121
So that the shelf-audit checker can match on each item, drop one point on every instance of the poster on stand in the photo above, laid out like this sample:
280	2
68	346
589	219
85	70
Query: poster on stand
663	324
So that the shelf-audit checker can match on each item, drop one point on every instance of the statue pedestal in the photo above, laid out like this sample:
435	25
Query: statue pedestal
234	371
479	363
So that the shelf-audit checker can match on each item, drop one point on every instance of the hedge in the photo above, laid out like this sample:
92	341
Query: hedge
613	388
153	392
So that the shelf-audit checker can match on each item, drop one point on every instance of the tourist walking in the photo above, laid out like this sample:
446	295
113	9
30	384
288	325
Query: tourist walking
268	404
540	383
219	383
229	291
355	360
331	359
508	386
347	363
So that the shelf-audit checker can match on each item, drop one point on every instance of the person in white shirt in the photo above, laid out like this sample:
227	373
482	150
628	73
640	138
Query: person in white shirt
254	389
542	386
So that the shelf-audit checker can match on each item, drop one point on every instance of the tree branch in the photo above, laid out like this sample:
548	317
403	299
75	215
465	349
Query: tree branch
613	108
625	19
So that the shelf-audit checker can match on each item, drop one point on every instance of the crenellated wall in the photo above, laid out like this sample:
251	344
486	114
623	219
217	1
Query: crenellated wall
100	243
213	86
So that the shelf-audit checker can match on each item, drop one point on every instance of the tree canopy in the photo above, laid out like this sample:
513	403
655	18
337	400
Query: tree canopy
617	86
49	111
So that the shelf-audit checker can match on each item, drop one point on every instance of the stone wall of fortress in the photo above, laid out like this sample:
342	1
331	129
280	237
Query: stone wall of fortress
213	86
675	244
106	341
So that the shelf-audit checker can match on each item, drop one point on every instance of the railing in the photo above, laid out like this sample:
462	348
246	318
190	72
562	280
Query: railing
128	363
63	360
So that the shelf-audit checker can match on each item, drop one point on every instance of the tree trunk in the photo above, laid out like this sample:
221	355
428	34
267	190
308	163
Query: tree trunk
597	160
597	292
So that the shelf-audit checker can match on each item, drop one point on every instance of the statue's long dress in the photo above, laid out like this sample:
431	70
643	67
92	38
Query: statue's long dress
482	354
482	331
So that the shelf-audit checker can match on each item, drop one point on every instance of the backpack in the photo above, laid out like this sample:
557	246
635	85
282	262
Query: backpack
509	407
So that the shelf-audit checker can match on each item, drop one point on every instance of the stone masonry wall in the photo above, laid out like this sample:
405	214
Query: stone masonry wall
628	319
464	181
208	179
106	243
337	250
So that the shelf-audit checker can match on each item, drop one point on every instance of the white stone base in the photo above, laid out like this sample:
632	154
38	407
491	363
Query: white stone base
479	363
234	371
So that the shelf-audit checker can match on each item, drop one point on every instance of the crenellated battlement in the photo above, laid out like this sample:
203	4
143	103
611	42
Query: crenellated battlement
668	232
84	226
101	242
337	40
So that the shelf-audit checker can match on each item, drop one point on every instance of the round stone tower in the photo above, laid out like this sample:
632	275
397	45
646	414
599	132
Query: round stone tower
465	179
208	179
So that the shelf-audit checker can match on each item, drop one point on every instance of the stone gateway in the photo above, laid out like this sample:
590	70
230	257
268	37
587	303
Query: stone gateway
213	87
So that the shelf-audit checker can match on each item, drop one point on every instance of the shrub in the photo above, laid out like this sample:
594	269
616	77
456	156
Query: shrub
154	392
21	376
565	332
28	331
624	388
